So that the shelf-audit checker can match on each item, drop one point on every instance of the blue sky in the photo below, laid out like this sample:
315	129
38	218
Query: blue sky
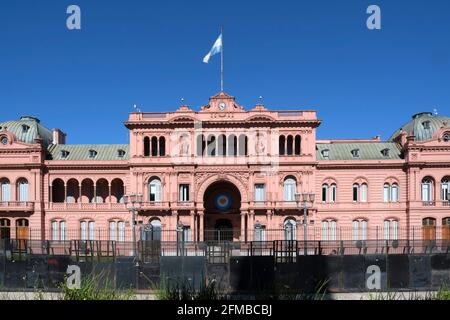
315	54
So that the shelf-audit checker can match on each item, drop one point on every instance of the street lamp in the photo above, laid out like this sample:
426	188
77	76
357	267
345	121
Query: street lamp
302	200
133	202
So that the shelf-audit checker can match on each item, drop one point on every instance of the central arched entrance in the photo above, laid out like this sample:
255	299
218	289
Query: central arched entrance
222	203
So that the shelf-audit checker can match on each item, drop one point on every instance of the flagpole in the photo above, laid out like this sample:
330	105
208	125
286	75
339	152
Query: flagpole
221	62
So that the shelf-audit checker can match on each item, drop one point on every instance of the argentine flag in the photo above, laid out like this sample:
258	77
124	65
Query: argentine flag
217	48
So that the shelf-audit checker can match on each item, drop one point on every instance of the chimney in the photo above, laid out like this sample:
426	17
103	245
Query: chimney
59	137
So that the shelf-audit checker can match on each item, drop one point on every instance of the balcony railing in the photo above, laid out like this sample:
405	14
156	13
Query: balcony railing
85	206
16	206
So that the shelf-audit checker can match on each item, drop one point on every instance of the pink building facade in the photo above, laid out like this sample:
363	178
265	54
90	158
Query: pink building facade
226	172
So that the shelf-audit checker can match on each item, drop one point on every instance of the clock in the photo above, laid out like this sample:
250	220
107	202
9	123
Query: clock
4	140
222	106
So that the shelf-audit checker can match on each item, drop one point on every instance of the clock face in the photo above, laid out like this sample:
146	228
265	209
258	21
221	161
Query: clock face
222	106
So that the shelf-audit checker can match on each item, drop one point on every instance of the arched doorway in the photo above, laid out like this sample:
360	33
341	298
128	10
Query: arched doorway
222	203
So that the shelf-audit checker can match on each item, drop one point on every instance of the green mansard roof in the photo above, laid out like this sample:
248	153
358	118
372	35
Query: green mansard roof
82	152
367	151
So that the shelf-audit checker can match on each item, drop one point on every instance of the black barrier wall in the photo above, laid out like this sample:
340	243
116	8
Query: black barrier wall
243	274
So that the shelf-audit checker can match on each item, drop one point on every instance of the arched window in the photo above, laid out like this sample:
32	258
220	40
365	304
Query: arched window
5	190
324	193
162	146
117	230
386	192
121	231
154	146
390	229
211	146
329	230
113	231
394	192
73	191
57	189
22	190
58	230
446	137
243	145
297	148
359	230
155	190
333	193
222	145
201	144
355	192
445	189
156	229
232	145
290	146
290	227
429	229
282	145
364	190
146	147
87	230
427	189
290	189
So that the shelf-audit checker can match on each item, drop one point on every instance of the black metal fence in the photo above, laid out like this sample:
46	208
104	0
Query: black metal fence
213	251
258	234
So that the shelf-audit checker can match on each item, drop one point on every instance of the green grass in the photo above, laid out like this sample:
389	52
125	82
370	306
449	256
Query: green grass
95	287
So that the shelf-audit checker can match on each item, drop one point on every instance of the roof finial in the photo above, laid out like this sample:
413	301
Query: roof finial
261	100
136	109
435	111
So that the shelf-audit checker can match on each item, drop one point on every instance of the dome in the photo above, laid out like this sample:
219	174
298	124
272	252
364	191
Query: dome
27	129
423	126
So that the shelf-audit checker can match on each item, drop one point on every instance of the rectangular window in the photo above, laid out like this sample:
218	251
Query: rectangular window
91	230
394	193
386	193
62	227
260	192
324	193
184	193
325	231
121	227
260	234
386	230
23	192
333	193
83	230
426	192
186	234
394	227
112	231
333	230
55	231
444	191
5	192
355	193
355	230
363	230
364	193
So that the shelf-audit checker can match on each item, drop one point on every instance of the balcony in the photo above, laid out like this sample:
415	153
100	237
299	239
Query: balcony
156	206
16	206
56	206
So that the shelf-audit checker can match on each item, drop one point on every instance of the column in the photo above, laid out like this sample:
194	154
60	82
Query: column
193	228
201	231
109	196
243	235
80	195
250	225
